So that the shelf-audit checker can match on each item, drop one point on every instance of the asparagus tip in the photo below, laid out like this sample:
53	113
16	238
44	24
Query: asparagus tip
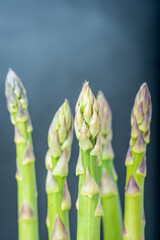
60	132
15	92
106	124
142	108
87	119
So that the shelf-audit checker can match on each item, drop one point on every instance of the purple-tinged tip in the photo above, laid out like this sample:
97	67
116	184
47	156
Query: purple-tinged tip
132	187
139	145
139	114
146	122
142	170
134	129
26	212
129	157
143	218
28	156
66	201
18	136
144	86
143	91
132	117
142	105
124	233
147	136
59	230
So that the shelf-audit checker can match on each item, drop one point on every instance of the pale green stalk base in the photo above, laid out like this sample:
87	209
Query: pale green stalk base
88	224
27	190
54	208
112	219
134	205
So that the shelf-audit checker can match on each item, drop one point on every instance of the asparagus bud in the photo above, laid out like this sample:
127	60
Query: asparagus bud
87	127
60	137
112	219
136	165
26	180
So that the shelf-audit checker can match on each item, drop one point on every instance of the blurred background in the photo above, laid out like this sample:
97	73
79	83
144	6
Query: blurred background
53	46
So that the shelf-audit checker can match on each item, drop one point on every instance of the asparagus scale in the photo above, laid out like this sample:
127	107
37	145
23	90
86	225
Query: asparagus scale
112	219
134	218
26	180
60	137
87	128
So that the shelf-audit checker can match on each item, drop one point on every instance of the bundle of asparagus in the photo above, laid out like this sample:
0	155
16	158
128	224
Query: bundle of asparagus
112	219
134	219
26	181
97	175
60	137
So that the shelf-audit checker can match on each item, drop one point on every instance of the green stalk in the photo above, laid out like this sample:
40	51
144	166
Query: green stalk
25	175
87	128
112	219
60	137
134	218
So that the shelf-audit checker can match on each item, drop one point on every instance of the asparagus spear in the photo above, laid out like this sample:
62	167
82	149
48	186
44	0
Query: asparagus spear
87	128
134	220
112	219
60	137
26	180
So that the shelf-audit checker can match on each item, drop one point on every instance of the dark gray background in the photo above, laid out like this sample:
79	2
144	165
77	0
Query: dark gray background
53	46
